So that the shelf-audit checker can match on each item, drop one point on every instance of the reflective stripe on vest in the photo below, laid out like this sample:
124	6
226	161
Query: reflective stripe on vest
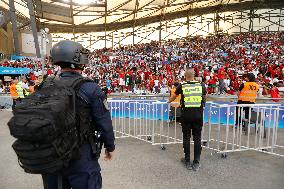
192	95
26	92
249	92
20	90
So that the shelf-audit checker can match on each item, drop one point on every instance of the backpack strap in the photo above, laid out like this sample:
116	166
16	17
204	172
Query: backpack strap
47	80
75	82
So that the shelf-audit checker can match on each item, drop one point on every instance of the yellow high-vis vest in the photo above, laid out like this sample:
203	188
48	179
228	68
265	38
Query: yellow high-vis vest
20	90
192	95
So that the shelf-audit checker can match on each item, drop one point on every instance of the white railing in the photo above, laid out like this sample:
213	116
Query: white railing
235	133
149	121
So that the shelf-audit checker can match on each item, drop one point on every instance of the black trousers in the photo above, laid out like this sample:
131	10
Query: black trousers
240	109
192	125
15	101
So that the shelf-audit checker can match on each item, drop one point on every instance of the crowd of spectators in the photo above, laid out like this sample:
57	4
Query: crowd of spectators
219	61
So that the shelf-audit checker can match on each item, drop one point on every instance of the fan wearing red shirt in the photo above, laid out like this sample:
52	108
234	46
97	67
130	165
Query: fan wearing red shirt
274	92
212	85
206	73
32	76
49	72
151	84
221	77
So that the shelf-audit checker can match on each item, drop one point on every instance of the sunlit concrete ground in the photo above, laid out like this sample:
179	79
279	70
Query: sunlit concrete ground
141	165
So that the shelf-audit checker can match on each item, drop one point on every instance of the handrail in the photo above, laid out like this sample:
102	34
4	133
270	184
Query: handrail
130	95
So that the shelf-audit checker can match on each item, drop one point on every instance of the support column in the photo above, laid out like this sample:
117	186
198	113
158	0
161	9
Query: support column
241	21
133	36
187	21
160	32
105	23
119	38
112	40
269	18
72	18
14	27
216	23
166	2
280	14
134	21
33	26
251	19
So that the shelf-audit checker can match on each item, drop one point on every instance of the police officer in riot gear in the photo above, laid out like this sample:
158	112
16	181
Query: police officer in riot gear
83	172
193	97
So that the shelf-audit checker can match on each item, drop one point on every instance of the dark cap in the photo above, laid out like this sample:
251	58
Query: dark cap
251	77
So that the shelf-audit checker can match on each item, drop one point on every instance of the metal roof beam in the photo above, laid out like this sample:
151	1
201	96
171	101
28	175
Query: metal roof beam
77	4
275	4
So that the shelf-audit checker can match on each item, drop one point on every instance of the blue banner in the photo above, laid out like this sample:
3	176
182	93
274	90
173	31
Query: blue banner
11	70
152	111
15	57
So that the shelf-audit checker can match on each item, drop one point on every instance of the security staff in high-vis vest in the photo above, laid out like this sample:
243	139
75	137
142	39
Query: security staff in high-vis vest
247	95
25	86
193	97
20	90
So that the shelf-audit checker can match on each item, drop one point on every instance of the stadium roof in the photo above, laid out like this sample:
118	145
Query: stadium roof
105	15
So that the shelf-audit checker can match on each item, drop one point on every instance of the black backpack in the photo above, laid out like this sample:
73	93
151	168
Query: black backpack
44	124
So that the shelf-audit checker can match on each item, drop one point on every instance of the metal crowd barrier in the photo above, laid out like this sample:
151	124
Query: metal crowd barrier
235	132
6	101
149	121
144	120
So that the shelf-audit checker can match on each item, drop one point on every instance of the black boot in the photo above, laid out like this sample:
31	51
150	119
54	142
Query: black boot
187	163
195	165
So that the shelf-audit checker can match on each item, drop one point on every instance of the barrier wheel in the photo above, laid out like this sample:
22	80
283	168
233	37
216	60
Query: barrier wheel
163	147
224	156
149	138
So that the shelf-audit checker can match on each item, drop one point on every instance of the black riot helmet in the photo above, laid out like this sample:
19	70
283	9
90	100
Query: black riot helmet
69	54
251	77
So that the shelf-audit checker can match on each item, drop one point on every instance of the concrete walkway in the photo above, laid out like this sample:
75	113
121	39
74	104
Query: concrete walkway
142	166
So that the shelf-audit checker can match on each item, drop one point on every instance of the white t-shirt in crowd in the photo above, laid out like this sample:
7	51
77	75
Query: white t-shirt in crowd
275	80
142	76
156	82
227	82
36	73
164	90
25	85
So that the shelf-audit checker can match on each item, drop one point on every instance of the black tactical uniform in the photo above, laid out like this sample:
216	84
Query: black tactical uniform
83	173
